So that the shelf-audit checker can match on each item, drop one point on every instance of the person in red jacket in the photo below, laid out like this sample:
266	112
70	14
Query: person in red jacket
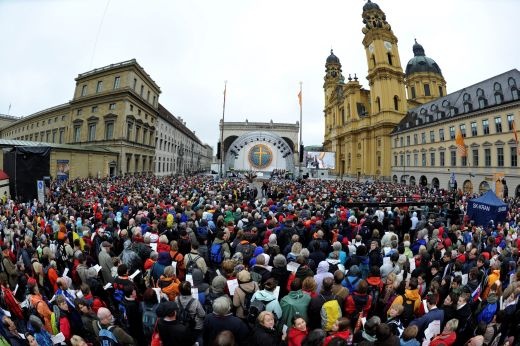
297	332
359	302
64	322
448	335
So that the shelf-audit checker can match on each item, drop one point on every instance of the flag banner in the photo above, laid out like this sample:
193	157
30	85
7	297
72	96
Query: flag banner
461	147
300	98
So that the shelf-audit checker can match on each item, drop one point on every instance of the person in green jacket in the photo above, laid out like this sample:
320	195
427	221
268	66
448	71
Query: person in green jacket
295	303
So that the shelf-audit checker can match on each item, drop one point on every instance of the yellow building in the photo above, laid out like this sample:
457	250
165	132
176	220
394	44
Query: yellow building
358	122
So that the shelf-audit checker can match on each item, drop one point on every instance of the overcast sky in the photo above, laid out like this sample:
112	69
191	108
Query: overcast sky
263	48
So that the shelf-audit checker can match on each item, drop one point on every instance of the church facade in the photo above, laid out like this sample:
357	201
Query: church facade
359	122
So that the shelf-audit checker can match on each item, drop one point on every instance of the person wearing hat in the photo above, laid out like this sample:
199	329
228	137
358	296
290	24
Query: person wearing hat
245	286
106	321
352	278
170	329
105	261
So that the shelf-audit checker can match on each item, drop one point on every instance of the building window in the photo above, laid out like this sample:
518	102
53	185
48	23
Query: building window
441	93
401	159
395	160
423	159
464	161
79	111
148	96
463	130
117	82
487	157
415	160
99	87
91	132
137	133
441	135
400	139
407	140
475	157
441	158
415	140
396	103
109	130
135	84
129	129
432	159
379	161
452	132
413	92
423	138
453	158
112	106
427	90
94	109
131	108
474	128
142	90
77	134
514	157
62	134
84	90
389	58
485	126
153	100
54	136
378	102
510	118
500	157
408	159
432	136
498	124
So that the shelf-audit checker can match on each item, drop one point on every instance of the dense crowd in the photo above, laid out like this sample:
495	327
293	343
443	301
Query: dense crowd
193	260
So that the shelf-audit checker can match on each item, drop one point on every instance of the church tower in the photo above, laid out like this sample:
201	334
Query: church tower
333	87
385	74
423	77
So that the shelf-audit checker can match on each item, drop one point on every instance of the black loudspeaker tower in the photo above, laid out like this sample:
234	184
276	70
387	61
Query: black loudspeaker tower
218	151
301	153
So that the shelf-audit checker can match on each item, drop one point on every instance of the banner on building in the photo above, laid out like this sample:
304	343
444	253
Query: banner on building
63	170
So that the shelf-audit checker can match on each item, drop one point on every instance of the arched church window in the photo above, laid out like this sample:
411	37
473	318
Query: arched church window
396	103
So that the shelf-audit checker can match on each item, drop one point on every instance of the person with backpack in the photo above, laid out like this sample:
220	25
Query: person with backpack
169	328
109	334
219	250
411	301
489	307
149	307
216	290
243	294
325	308
265	300
194	260
191	312
246	248
375	288
358	303
64	322
352	278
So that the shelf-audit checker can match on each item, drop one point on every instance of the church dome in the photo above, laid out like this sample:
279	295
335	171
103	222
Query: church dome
370	6
420	62
332	59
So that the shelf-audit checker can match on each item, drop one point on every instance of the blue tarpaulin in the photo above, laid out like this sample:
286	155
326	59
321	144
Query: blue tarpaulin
486	208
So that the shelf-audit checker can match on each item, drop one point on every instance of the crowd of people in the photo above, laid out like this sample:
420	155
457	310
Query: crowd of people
192	260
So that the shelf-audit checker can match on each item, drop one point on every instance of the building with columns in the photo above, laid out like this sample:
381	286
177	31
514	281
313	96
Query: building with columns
115	107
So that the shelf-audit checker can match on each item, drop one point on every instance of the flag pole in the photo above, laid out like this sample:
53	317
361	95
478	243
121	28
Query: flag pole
301	133
222	131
